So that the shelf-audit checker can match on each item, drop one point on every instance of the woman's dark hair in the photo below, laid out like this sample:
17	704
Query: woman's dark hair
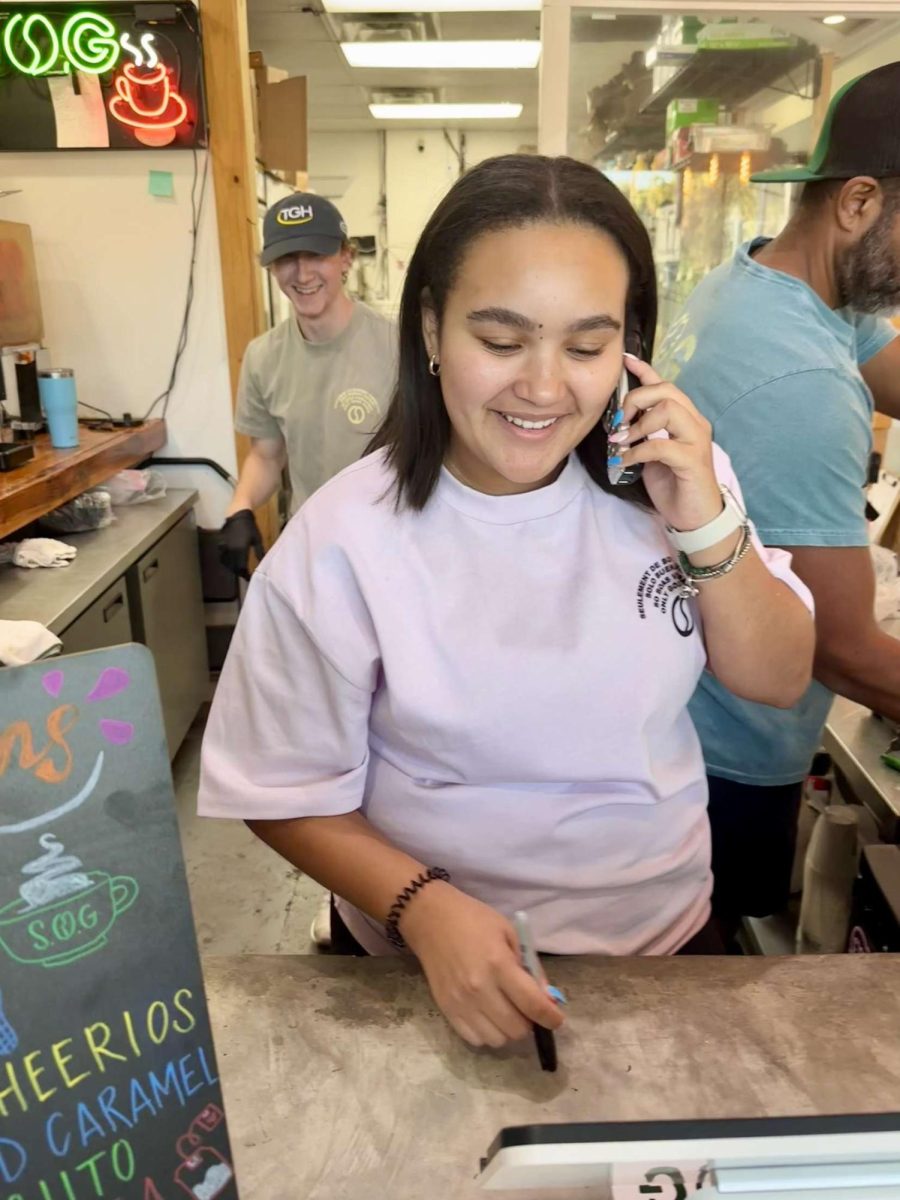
511	191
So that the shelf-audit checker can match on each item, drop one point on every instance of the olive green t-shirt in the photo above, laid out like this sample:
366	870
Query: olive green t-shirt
325	399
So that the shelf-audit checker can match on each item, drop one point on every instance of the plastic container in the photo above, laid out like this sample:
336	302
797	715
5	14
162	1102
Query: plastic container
60	405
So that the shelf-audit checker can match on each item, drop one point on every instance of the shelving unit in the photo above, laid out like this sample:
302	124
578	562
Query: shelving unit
732	76
643	132
54	476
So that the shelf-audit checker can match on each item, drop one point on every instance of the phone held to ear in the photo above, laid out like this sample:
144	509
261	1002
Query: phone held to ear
614	418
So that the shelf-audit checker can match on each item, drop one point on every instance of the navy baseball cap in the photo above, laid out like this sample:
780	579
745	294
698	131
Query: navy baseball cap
860	134
302	222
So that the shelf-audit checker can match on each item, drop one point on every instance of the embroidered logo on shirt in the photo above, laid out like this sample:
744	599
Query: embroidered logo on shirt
658	591
357	404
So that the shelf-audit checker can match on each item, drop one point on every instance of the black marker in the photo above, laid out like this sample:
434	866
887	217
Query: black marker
543	1038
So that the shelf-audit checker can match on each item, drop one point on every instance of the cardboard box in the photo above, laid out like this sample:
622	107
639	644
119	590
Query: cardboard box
21	320
681	113
728	33
279	117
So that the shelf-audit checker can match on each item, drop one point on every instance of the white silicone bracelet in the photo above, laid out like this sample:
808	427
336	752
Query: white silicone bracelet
694	540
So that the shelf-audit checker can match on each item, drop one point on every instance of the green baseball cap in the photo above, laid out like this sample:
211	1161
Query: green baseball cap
860	134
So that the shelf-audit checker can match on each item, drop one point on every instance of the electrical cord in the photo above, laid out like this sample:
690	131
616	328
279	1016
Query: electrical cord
196	211
93	407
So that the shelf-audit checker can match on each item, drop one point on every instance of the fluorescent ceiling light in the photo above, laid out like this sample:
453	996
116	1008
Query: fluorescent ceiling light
435	56
403	6
836	19
445	112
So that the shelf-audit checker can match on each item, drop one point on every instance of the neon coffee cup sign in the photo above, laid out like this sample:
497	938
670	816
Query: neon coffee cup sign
145	99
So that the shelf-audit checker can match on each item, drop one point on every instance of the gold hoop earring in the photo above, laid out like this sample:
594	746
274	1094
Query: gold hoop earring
434	366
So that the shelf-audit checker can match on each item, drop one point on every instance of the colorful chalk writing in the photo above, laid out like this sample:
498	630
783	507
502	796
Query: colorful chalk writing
108	1081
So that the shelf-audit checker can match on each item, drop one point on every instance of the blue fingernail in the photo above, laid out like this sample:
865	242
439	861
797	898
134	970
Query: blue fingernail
614	462
617	419
555	994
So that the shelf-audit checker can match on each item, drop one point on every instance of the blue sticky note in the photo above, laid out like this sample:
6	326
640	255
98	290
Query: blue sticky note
161	183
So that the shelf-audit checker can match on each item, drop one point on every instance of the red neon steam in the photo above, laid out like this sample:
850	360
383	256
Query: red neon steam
147	102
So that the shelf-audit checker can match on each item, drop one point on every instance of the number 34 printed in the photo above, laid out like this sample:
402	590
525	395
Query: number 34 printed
638	1181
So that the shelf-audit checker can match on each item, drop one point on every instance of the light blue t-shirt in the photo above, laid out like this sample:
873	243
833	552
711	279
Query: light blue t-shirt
777	373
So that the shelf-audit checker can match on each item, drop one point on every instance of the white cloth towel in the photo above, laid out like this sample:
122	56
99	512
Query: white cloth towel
26	641
43	552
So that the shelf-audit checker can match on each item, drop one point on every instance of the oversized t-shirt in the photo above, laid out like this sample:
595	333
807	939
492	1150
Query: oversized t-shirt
776	371
324	398
499	684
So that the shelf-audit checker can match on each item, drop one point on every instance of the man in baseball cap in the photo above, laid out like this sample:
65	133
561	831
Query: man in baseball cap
783	350
301	223
313	389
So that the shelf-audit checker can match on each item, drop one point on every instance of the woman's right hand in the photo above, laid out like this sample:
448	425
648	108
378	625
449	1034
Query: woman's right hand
470	956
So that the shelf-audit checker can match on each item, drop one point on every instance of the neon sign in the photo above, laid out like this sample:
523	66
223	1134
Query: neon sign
140	63
147	102
88	42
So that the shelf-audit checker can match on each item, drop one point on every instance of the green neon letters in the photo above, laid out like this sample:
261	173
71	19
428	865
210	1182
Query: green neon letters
43	58
88	43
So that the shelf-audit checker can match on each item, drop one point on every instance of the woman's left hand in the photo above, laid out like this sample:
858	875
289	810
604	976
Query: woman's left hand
678	469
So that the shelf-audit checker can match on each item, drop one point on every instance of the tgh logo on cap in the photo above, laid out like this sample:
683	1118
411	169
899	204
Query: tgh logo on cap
296	214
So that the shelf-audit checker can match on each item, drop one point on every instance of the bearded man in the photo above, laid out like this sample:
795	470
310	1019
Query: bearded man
783	351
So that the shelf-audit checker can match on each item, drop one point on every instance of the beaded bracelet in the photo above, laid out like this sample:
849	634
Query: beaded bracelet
391	925
693	575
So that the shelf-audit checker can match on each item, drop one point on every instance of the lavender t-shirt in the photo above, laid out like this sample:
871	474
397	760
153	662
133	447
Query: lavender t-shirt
499	683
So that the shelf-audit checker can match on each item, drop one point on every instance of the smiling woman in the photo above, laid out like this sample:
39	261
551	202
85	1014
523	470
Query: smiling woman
570	227
458	688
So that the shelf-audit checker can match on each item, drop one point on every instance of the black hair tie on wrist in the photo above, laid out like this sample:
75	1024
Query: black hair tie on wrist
391	925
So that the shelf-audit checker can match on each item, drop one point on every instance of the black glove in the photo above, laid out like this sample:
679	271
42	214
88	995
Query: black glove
237	537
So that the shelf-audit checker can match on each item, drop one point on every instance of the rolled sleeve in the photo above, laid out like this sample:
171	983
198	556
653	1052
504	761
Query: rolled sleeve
287	735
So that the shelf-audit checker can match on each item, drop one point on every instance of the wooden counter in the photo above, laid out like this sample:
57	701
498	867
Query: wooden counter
54	476
343	1082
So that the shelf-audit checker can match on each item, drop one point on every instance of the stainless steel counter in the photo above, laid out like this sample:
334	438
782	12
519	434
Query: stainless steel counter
343	1082
56	596
856	740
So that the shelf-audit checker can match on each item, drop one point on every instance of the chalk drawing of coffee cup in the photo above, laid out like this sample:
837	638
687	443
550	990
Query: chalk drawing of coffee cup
68	928
204	1173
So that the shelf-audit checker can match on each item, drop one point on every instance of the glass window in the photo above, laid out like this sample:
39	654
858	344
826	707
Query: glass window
681	109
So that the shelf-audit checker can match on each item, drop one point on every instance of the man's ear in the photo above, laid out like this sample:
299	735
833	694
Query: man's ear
859	204
430	327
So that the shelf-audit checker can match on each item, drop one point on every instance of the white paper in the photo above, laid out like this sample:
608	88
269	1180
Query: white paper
80	118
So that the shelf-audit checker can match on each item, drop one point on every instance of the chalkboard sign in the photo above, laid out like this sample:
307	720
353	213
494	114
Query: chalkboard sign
101	76
108	1081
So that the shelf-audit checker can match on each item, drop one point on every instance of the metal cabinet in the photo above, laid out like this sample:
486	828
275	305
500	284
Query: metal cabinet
167	605
106	622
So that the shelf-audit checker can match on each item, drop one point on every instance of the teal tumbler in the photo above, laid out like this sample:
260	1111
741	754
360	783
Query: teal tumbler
60	405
